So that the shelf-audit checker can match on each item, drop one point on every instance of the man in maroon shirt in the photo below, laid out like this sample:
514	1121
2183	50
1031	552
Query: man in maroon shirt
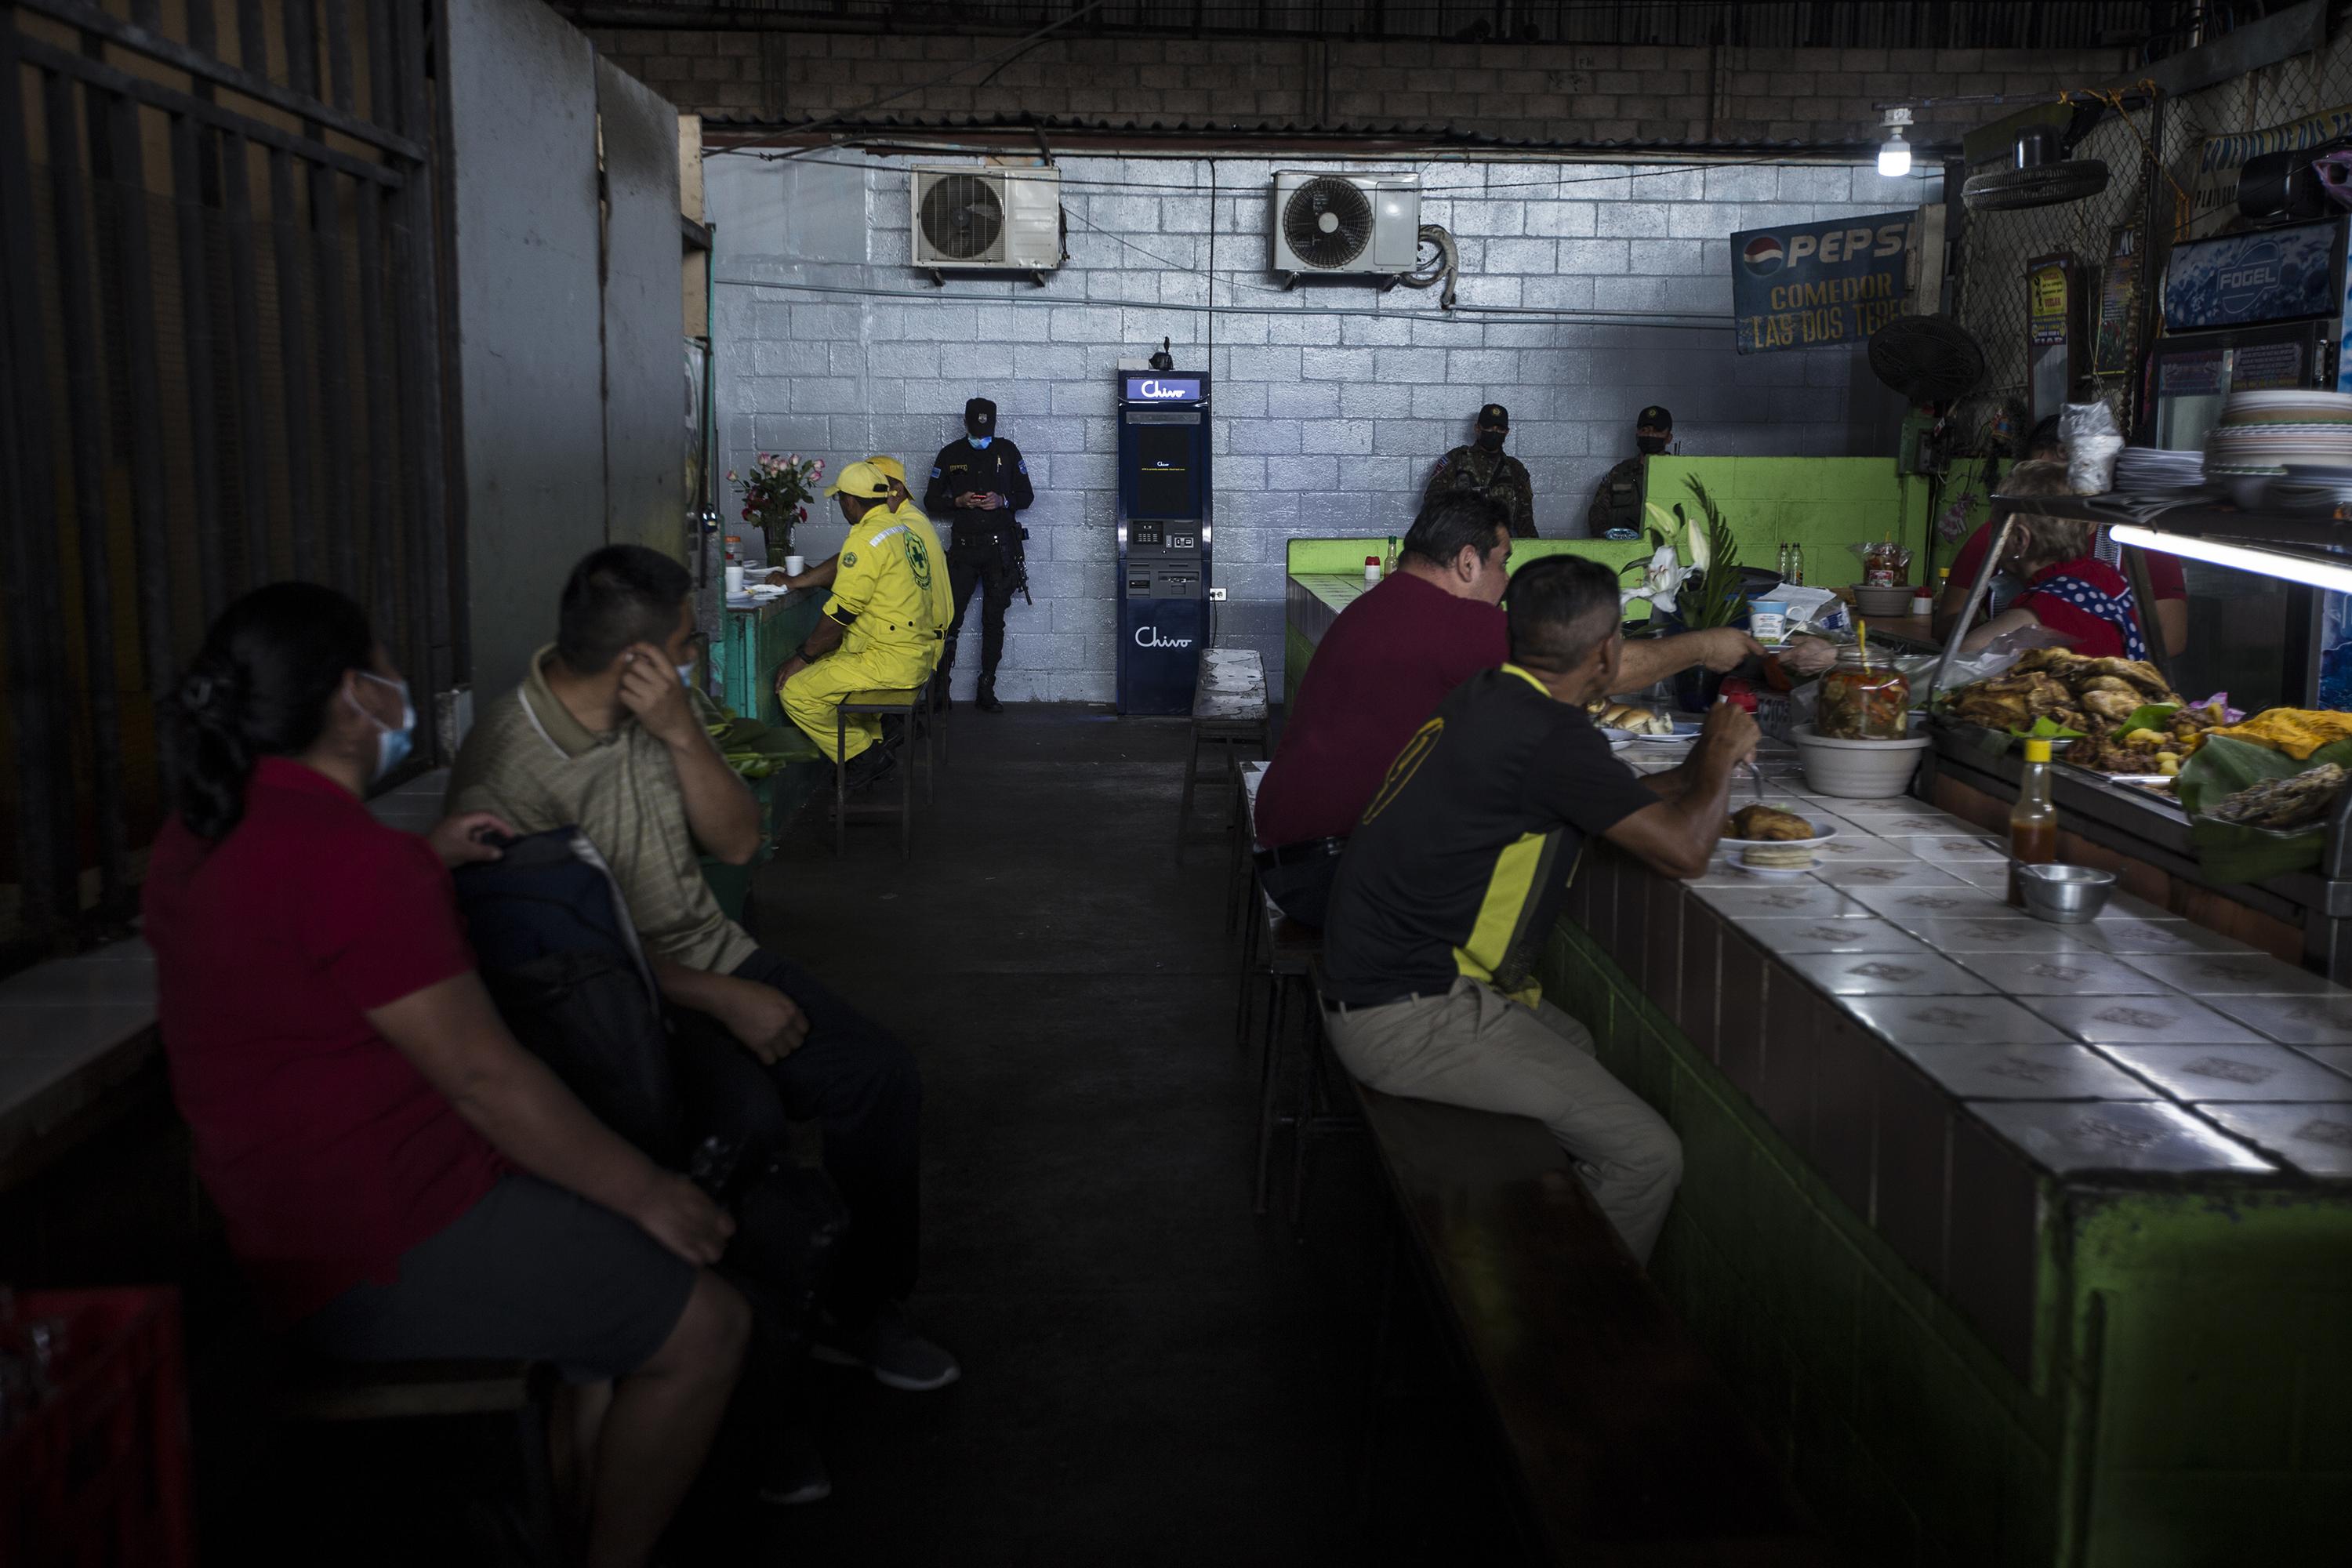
1387	661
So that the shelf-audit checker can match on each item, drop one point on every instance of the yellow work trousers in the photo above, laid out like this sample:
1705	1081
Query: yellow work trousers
811	697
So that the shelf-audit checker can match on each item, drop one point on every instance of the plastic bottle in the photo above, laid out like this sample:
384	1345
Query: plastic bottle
2033	821
1371	570
1388	562
1796	573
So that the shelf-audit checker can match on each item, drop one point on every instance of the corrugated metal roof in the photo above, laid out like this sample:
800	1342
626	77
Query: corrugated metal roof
747	122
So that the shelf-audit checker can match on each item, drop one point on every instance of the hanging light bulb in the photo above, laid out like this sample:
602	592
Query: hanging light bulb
1895	157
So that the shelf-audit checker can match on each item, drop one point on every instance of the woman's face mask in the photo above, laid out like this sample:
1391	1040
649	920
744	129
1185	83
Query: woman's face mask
391	746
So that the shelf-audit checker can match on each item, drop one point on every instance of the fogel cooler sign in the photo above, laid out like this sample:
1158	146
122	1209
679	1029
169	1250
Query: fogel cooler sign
1820	285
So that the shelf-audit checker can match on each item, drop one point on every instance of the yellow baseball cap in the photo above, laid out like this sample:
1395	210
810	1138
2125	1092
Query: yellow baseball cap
863	480
890	466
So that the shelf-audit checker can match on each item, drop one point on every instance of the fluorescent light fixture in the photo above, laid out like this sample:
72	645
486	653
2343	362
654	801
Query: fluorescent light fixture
1895	157
2244	557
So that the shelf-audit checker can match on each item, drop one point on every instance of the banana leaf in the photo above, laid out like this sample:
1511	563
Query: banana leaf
2231	851
2151	716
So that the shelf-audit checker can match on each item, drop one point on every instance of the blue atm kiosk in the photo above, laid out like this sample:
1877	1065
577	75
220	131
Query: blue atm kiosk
1163	537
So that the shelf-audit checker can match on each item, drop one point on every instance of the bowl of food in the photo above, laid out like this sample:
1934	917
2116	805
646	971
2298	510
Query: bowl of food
1858	770
2065	895
1882	600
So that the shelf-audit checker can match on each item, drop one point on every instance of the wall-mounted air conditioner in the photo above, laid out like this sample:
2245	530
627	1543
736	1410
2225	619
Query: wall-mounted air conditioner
1335	224
976	219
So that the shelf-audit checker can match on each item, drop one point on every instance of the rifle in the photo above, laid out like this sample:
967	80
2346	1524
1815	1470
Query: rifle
1016	559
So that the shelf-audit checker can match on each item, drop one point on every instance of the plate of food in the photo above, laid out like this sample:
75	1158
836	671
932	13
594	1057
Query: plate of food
1770	842
1630	721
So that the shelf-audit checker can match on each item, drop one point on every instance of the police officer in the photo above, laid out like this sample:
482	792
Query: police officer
979	484
1484	468
1617	499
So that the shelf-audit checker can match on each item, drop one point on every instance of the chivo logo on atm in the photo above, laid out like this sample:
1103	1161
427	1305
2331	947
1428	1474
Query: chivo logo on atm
1149	636
1163	389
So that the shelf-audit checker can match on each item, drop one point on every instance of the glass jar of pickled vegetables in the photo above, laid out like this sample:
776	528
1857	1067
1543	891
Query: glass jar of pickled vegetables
1863	701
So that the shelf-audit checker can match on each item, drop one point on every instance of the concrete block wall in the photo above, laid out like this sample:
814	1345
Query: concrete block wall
1331	403
1544	92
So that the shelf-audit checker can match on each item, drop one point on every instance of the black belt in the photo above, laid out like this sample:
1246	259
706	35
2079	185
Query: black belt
1294	854
1333	1004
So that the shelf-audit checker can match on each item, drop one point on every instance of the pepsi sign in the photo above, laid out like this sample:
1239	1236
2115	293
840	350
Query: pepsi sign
1162	388
1820	285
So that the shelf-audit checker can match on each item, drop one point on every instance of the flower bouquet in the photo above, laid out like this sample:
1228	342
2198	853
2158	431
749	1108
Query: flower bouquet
776	497
1704	594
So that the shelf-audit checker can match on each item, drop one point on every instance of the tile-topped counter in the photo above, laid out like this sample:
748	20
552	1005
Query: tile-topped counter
2032	1243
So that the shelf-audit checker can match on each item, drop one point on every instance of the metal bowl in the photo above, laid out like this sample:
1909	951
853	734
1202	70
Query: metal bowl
2068	895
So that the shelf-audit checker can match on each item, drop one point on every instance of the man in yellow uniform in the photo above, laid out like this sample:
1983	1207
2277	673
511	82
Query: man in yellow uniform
881	626
902	509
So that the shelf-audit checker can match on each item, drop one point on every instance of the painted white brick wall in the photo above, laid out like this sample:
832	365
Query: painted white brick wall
1331	401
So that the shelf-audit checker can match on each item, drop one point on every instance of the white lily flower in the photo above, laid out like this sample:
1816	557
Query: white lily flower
1700	553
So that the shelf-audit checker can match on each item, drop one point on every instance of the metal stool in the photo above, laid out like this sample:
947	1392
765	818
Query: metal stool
906	705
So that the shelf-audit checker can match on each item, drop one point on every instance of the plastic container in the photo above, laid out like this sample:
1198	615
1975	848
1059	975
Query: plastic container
1372	569
1861	701
1858	770
1767	620
97	1470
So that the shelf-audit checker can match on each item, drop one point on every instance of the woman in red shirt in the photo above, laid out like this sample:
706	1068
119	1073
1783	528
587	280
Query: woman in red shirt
400	1179
2069	590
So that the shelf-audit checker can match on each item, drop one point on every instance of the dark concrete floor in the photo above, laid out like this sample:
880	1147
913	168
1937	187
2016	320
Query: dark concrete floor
1152	1375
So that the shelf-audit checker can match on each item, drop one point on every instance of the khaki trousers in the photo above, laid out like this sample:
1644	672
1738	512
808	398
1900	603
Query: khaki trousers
1474	1047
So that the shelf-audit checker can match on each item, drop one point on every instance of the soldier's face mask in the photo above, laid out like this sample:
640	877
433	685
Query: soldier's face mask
1651	446
1490	439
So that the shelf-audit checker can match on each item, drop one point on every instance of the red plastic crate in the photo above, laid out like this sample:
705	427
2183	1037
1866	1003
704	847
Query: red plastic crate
97	1476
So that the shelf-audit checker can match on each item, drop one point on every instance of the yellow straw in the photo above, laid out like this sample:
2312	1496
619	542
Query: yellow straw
1862	639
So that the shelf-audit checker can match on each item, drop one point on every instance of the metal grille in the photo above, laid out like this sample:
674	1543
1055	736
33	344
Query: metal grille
219	368
1997	246
1793	24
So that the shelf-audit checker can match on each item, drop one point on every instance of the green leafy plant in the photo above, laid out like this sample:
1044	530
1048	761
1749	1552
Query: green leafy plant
1710	594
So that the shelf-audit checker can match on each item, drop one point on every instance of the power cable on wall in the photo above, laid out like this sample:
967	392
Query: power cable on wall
1927	171
1679	321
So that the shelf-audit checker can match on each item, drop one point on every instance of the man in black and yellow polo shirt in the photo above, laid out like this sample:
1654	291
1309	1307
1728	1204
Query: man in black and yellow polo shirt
1452	881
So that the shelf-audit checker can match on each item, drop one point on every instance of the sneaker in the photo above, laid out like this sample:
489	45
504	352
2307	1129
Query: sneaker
794	1473
891	1349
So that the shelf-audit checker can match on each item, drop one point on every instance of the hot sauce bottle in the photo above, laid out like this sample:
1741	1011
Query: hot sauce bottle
2033	821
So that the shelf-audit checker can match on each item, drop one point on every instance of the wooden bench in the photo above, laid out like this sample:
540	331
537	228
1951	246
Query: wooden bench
307	1392
1626	1446
1229	712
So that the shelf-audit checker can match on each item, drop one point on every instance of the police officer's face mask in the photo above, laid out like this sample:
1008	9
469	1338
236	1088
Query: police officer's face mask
1651	446
1490	440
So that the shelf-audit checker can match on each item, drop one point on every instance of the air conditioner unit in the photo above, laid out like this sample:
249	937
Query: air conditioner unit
1329	224
987	219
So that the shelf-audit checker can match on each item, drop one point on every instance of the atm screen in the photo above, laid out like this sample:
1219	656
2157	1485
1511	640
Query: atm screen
1163	479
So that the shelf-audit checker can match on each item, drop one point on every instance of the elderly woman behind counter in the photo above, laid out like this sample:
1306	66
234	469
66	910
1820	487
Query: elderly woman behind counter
2068	589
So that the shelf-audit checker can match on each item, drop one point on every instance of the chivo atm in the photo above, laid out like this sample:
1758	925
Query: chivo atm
1163	537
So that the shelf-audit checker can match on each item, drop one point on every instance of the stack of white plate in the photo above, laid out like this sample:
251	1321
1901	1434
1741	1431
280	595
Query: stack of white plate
2139	469
2263	434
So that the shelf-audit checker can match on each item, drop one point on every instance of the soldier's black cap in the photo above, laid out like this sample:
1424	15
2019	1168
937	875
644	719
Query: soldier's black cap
1655	417
1496	416
980	417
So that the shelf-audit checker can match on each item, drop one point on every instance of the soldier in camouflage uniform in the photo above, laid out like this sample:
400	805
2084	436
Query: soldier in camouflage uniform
1617	499
1484	470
